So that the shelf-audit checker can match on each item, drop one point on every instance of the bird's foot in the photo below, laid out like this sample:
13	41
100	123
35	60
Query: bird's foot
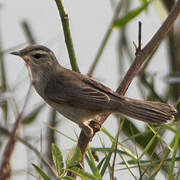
88	131
95	125
90	128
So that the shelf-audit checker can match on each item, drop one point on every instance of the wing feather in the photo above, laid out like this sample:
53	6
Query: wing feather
79	91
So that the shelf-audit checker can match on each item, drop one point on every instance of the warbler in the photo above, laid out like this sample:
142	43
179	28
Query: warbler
81	98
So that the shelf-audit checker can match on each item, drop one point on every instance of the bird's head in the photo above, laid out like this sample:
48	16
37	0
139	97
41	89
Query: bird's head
40	59
36	56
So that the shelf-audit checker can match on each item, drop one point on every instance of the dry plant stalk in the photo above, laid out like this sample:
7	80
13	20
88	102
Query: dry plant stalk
141	56
6	170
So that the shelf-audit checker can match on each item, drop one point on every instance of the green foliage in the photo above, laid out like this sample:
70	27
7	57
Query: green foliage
175	148
131	15
112	139
41	172
84	175
92	165
74	157
67	178
106	163
177	102
133	133
58	160
144	1
72	165
32	116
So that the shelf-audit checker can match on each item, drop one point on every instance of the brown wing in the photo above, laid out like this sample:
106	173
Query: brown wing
78	90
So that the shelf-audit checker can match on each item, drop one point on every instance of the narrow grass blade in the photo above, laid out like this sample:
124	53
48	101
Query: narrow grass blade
127	166
68	178
131	15
177	102
41	172
92	164
175	148
140	138
101	163
61	133
148	145
106	163
84	175
31	117
119	144
28	32
107	150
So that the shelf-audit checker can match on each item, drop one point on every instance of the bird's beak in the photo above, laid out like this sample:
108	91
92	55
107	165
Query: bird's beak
16	53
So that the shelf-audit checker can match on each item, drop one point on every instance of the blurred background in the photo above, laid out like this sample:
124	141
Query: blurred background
26	22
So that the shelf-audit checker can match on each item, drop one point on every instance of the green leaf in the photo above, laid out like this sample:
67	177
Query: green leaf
68	178
3	83
140	138
84	175
105	150
144	1
175	148
131	15
28	32
30	118
149	145
74	157
101	163
106	163
128	151
92	164
58	159
66	136
161	164
41	172
177	102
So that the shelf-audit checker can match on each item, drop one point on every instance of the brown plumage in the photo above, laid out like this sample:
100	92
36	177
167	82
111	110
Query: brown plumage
80	98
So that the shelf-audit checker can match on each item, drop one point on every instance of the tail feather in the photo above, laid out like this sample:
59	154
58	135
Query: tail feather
148	111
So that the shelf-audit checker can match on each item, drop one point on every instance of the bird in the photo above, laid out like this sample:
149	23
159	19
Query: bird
81	98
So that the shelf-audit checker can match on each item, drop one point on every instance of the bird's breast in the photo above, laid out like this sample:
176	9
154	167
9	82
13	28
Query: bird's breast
75	114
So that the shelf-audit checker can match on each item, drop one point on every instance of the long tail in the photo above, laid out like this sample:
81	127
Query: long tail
148	111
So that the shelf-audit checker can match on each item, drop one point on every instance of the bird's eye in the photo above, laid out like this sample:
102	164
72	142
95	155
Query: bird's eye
37	55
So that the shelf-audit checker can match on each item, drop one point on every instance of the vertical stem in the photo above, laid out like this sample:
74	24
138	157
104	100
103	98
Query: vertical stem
67	34
3	81
28	32
105	40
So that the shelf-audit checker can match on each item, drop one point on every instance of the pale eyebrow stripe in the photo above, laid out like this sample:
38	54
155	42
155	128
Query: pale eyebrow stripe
38	51
34	48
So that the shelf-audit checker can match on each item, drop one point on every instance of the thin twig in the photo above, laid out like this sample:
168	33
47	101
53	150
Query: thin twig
67	34
116	145
139	35
27	144
135	67
5	170
3	82
149	48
